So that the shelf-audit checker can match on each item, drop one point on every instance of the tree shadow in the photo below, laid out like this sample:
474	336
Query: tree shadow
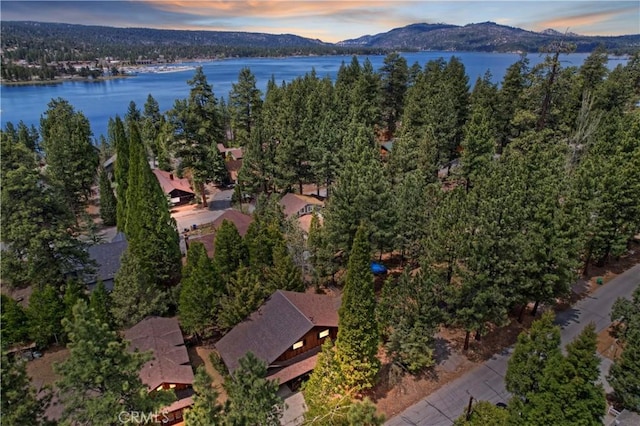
441	350
567	316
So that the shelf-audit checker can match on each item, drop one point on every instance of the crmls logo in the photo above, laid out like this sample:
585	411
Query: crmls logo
140	418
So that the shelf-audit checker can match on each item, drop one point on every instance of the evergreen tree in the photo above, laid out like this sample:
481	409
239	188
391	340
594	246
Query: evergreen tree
198	127
478	145
73	291
108	202
366	98
150	229
69	152
409	316
608	188
19	404
624	375
253	398
532	353
151	123
44	313
229	250
135	295
510	100
484	413
206	410
328	403
14	321
547	263
261	240
258	164
120	140
285	274
361	195
568	392
323	392
395	77
100	303
292	152
358	336
199	291
244	103
101	376
37	226
245	292
412	199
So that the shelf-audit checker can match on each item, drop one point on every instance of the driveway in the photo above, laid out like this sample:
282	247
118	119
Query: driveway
486	382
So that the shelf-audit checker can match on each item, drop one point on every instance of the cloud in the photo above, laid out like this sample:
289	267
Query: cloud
593	22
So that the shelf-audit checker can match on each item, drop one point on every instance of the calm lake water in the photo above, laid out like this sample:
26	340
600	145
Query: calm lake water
101	100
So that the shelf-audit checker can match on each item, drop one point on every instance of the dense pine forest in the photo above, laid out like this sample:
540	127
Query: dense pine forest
493	198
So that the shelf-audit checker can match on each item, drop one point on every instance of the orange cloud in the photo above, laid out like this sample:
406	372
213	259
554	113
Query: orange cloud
276	8
575	22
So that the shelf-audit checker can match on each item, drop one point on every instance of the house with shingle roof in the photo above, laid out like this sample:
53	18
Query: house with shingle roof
286	332
299	205
240	220
107	257
170	367
178	190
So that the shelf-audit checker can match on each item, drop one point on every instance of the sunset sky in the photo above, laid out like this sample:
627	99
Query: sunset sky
332	20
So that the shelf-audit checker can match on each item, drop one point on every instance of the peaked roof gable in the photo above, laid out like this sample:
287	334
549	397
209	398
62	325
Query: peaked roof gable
171	360
169	182
292	203
107	257
280	322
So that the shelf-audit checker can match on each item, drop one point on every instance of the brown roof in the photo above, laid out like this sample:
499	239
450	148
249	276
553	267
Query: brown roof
169	182
171	360
292	203
304	222
236	152
295	370
277	325
240	220
233	167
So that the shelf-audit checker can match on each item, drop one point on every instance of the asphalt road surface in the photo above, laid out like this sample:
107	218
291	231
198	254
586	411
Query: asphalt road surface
486	382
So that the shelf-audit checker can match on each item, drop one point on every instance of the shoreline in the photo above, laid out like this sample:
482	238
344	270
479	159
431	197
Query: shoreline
61	80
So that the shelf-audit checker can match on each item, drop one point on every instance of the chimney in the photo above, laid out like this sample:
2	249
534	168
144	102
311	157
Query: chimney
170	176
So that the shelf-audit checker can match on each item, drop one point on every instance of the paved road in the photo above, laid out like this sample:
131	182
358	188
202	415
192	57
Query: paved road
486	382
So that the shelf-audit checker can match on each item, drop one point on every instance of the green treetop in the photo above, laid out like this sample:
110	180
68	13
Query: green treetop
69	152
358	336
101	376
200	290
150	229
206	410
624	375
253	398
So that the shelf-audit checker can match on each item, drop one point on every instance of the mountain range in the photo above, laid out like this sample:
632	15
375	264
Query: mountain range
31	40
485	37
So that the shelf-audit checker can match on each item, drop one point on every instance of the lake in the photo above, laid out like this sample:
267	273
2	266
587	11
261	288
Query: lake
101	100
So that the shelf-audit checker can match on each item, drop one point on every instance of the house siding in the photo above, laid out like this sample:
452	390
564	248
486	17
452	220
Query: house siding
311	341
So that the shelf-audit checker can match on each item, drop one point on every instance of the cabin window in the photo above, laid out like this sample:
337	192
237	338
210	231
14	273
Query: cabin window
298	345
171	386
323	334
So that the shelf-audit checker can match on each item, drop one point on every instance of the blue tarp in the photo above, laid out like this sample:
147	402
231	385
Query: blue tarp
378	268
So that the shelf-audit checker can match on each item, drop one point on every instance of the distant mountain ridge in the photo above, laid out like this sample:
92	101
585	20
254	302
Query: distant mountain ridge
156	36
484	37
37	41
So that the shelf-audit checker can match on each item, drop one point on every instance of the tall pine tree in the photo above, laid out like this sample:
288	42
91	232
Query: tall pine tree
358	335
150	229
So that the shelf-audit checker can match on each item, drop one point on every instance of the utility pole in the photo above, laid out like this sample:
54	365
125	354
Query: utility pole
469	408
